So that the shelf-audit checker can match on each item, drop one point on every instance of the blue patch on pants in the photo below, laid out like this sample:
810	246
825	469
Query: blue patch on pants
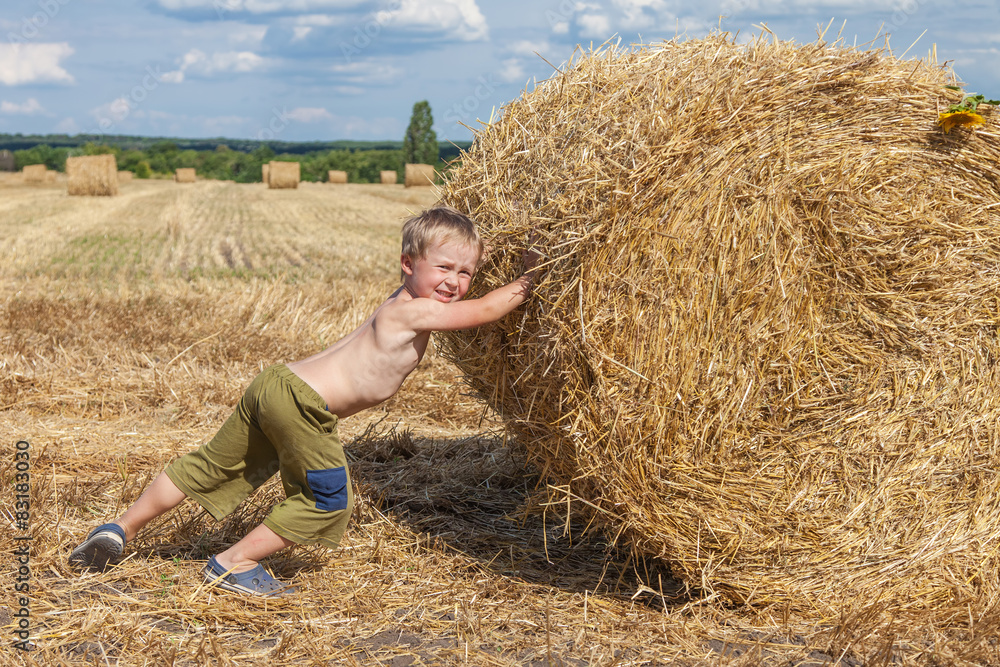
330	488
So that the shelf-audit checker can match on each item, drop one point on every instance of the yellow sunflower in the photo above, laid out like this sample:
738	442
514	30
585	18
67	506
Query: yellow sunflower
965	117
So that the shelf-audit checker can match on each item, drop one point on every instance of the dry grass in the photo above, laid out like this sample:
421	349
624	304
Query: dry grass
92	175
129	327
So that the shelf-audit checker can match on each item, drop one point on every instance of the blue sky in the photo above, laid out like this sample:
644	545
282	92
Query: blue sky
300	70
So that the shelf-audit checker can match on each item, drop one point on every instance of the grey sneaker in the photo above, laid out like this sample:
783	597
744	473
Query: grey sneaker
102	547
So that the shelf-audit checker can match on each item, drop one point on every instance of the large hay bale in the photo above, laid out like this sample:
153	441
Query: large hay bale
264	172
388	177
95	175
186	175
283	175
418	175
34	173
125	176
765	347
336	176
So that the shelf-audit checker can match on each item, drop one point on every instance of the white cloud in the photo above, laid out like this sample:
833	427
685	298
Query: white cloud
512	71
367	73
526	47
318	20
197	62
114	111
259	6
460	19
300	32
34	63
29	108
638	14
309	115
594	25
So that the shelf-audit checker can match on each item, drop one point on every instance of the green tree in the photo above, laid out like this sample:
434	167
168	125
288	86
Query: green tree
420	143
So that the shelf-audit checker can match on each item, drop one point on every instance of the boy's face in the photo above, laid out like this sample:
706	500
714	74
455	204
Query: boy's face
443	274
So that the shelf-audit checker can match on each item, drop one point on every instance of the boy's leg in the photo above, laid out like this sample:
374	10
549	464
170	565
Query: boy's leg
159	497
105	543
258	544
236	569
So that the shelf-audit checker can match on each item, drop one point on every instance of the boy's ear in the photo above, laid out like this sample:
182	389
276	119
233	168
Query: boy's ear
406	263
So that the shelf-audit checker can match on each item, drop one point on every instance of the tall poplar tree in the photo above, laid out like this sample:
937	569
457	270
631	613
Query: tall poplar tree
420	144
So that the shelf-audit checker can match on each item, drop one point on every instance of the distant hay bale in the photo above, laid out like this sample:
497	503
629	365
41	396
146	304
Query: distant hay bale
186	175
93	175
125	176
283	175
418	175
388	177
34	173
765	344
336	176
264	171
7	161
50	176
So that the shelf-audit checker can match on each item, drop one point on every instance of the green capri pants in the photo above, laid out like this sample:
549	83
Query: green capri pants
280	425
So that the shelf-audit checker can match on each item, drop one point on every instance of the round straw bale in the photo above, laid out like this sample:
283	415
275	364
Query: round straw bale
264	170
283	175
185	175
124	176
388	177
336	176
50	175
93	175
764	346
418	175
34	173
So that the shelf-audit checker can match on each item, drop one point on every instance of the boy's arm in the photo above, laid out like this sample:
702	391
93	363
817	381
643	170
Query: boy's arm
430	315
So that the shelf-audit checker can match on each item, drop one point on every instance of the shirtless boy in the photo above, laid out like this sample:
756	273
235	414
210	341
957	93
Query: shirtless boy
287	419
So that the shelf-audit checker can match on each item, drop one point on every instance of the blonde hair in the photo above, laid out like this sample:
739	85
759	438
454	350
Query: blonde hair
438	225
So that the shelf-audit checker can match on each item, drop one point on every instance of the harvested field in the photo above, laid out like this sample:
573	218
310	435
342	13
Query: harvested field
128	328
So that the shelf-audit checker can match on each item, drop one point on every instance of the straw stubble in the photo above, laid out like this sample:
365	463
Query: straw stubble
763	347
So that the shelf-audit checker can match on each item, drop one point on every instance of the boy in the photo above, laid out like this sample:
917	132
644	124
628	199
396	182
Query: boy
286	420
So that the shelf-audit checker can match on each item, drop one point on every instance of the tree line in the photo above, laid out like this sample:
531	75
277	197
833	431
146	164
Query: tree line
163	157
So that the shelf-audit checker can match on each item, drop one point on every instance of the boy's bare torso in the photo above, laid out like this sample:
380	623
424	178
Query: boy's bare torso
368	365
